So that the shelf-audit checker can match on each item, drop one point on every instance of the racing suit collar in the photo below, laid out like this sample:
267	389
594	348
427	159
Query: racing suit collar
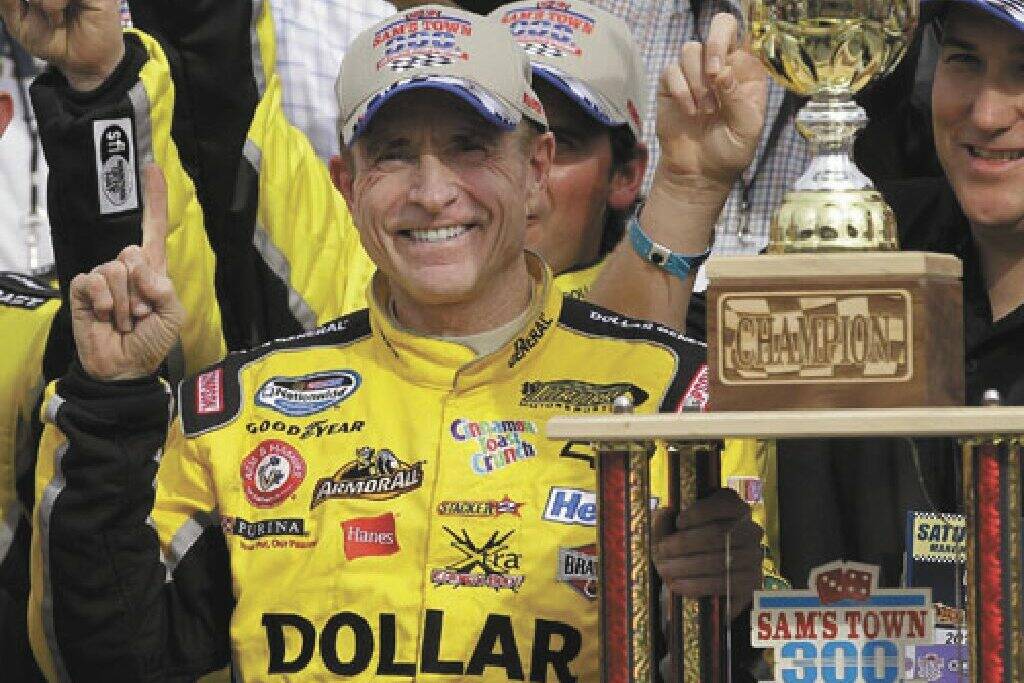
436	362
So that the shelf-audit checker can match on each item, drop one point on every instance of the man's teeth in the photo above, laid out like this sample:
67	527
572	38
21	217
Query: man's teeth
995	155
437	234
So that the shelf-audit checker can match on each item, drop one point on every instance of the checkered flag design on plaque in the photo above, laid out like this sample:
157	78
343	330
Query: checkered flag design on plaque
542	50
793	309
1015	8
419	61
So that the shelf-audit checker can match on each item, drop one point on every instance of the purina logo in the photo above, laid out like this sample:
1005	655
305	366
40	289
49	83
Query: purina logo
308	394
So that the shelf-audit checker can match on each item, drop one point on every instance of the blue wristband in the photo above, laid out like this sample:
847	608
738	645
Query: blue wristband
679	265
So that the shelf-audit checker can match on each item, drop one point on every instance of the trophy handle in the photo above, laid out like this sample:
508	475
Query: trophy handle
697	627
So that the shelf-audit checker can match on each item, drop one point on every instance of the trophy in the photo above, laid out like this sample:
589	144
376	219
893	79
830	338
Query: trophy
828	50
834	316
832	334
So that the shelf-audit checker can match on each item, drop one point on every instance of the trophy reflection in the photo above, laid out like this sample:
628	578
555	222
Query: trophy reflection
829	50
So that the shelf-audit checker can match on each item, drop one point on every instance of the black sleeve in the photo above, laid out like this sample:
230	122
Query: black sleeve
83	235
116	604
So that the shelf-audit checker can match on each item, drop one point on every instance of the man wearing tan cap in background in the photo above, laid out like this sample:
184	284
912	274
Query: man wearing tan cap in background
372	499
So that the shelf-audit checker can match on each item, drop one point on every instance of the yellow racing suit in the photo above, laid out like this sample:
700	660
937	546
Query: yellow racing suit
27	310
359	502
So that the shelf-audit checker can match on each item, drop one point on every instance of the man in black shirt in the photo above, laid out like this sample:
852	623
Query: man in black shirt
849	499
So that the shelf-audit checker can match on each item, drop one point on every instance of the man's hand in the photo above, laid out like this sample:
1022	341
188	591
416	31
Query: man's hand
689	551
124	313
82	38
711	109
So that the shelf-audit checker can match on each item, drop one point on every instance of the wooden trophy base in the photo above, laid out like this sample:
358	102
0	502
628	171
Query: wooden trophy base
850	330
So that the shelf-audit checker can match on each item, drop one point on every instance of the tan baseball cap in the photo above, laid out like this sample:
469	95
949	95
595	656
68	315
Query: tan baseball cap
445	48
585	52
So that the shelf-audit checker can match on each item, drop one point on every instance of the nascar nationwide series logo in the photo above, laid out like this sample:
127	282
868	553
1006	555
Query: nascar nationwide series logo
577	567
373	475
479	508
845	629
490	564
271	473
308	394
576	396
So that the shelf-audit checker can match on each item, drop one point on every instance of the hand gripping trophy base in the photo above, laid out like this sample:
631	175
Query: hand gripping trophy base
834	206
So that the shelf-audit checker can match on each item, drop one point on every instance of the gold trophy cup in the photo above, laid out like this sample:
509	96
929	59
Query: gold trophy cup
828	50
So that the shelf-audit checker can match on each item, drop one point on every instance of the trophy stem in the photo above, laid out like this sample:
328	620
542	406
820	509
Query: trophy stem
834	206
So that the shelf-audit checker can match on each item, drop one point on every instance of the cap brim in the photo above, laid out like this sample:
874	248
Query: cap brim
580	94
1009	11
490	107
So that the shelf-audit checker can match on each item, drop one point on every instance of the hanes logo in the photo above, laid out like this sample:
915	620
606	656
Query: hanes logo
271	473
370	536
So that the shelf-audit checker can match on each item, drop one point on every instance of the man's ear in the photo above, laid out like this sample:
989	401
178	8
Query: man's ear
6	110
340	166
542	157
627	181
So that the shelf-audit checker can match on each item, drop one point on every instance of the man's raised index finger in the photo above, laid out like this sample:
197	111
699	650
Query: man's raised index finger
721	40
154	217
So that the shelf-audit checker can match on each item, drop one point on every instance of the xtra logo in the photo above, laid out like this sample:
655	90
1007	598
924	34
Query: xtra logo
499	442
478	508
482	565
571	506
373	475
577	396
308	394
271	473
370	536
577	567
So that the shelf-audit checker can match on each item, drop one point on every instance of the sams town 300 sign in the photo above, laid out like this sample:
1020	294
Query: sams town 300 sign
844	629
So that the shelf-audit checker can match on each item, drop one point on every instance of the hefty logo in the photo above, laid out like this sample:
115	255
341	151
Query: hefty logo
370	536
209	392
571	506
844	584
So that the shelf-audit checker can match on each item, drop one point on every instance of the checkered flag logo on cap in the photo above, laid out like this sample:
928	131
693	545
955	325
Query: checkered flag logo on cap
542	50
1015	8
419	61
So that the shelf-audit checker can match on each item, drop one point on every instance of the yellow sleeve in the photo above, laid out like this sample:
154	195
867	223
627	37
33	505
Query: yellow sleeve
191	263
304	232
